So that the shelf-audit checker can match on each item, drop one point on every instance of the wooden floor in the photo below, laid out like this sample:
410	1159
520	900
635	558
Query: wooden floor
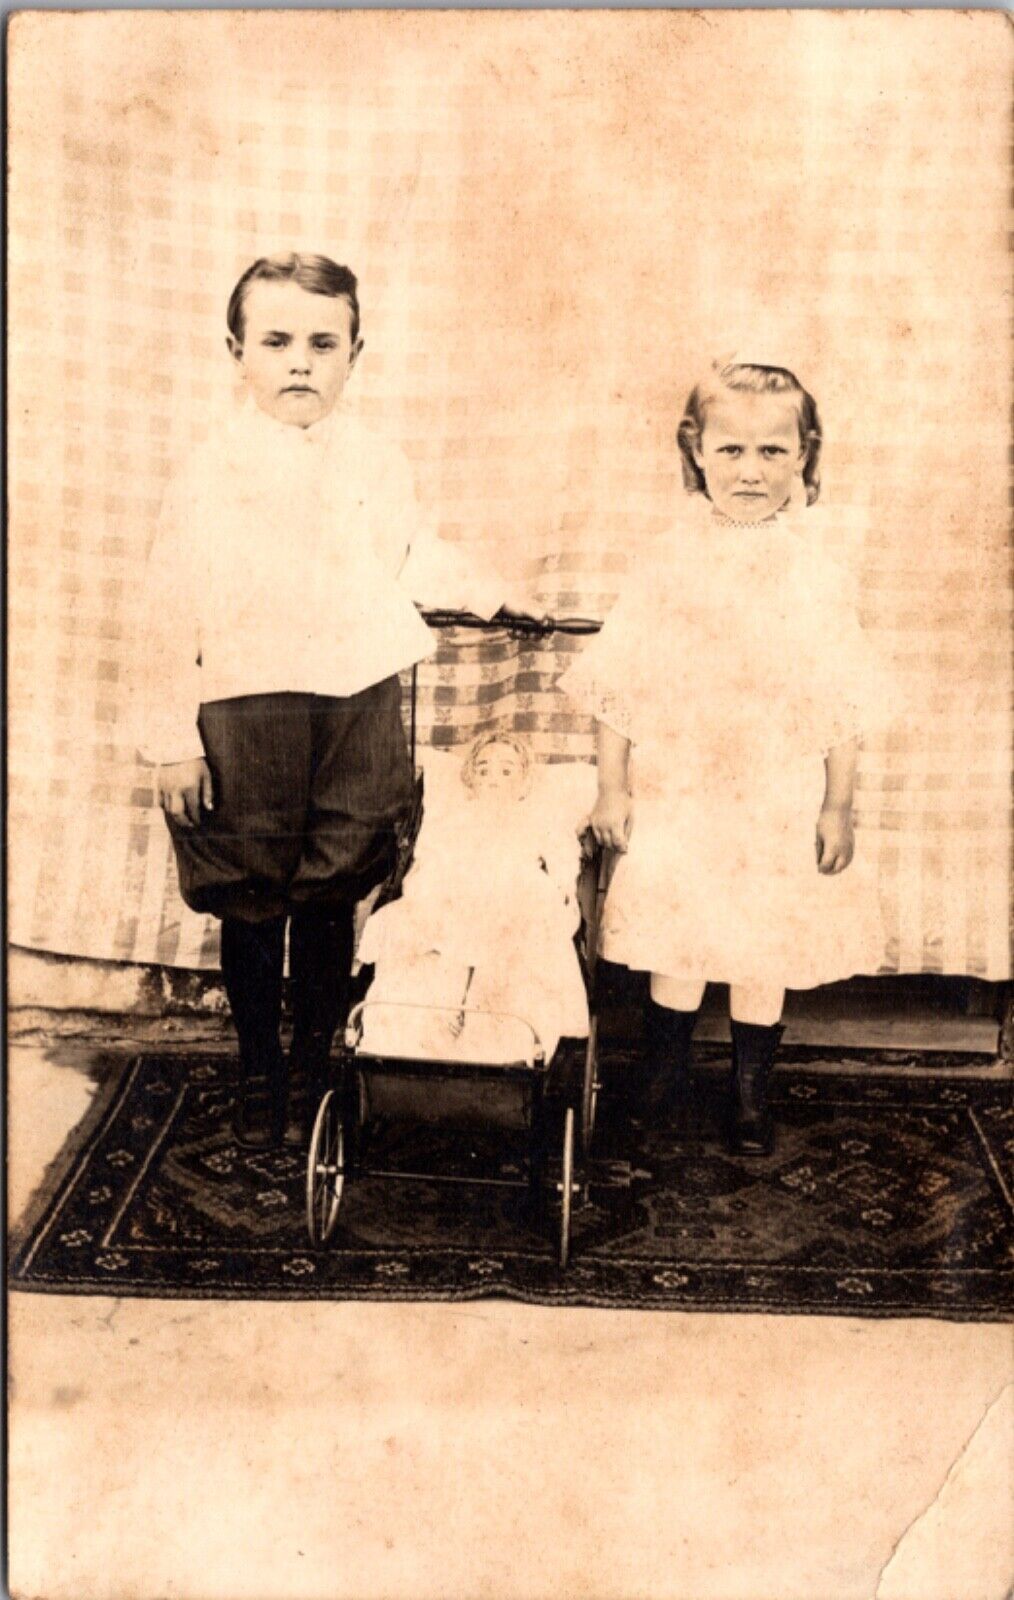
906	1013
859	1022
214	1450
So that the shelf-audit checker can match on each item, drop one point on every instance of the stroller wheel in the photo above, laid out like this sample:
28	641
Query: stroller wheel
566	1186
325	1170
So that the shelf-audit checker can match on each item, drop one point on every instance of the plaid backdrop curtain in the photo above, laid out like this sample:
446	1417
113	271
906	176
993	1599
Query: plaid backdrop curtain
556	220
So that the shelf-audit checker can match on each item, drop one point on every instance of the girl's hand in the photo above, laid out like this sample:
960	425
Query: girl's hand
836	841
184	789
612	818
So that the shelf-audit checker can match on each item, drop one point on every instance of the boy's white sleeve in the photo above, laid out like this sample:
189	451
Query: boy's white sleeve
435	572
166	647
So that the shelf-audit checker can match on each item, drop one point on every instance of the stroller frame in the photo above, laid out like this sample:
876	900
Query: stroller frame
522	1094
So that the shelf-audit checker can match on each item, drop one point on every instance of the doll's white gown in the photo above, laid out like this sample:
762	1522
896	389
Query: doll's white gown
733	661
491	888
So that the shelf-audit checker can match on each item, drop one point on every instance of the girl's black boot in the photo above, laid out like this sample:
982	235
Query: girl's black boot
320	963
751	1130
669	1034
253	955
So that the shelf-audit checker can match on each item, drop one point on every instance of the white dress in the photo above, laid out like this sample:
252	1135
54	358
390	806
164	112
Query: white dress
733	661
491	890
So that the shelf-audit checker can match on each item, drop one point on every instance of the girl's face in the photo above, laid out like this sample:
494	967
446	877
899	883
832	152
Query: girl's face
297	352
749	452
498	770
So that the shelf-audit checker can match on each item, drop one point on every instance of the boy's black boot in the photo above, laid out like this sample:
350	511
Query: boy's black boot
668	1036
751	1130
253	955
320	964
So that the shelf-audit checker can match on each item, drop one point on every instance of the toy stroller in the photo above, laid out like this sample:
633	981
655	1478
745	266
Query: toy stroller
542	1095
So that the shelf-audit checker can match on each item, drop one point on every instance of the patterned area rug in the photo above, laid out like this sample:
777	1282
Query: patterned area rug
887	1196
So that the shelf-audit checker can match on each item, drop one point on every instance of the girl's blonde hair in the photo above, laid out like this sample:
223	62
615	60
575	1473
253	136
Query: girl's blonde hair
515	741
748	378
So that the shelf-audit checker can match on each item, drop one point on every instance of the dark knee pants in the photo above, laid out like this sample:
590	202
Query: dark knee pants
309	791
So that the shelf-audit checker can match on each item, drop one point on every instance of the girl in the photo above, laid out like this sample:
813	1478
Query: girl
486	921
728	686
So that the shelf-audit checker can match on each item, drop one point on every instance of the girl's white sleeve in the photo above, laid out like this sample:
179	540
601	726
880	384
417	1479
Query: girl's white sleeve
853	692
166	645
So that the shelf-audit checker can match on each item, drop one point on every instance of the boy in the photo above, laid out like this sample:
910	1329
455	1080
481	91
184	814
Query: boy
276	626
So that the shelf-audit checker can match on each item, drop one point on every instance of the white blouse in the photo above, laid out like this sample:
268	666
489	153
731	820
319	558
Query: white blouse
286	559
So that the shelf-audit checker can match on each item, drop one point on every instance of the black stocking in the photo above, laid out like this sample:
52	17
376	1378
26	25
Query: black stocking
252	959
320	963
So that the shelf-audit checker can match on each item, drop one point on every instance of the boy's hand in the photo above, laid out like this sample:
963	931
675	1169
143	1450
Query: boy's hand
611	818
184	790
836	840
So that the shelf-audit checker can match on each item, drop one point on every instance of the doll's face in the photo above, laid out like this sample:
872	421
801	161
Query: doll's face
297	351
498	770
750	451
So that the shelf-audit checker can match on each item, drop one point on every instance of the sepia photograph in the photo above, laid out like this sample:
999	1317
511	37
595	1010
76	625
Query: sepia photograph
509	736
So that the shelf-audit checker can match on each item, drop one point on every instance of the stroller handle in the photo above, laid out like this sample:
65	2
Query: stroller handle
516	624
519	624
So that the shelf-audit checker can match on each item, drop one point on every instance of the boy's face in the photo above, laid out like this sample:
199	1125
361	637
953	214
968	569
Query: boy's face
297	352
749	452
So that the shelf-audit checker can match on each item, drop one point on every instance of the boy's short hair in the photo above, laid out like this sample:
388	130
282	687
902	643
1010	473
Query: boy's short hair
316	274
749	378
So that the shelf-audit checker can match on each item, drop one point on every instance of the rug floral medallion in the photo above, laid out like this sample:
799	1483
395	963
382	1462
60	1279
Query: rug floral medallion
890	1193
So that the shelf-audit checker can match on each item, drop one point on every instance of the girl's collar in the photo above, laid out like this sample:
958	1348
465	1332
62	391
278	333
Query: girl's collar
719	519
786	515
